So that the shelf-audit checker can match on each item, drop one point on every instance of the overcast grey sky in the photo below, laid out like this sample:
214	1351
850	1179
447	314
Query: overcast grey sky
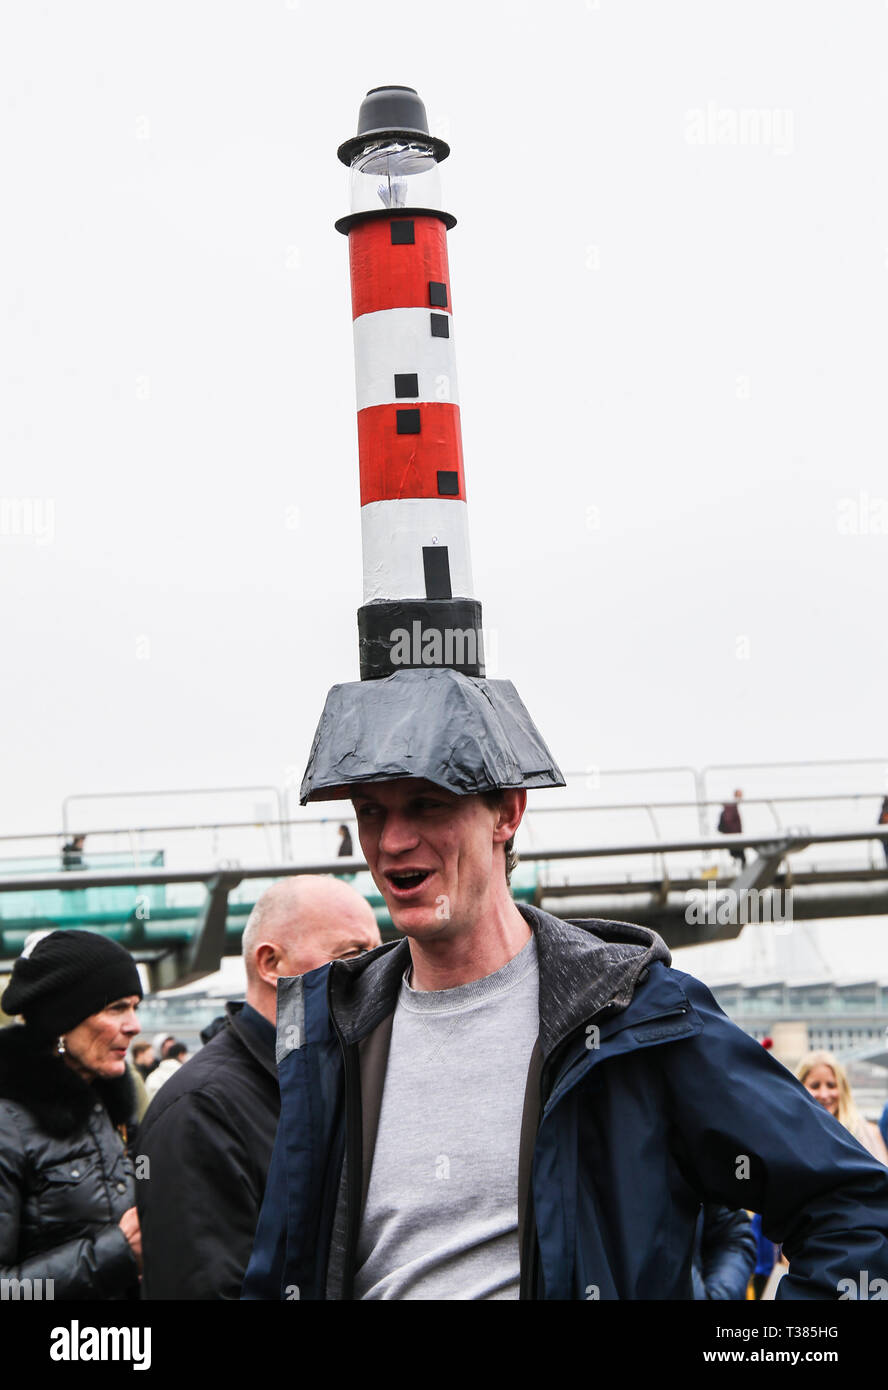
669	282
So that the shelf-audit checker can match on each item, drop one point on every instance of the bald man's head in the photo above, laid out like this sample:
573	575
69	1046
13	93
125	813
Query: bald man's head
298	924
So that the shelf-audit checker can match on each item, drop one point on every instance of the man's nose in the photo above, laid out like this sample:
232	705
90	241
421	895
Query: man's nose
398	834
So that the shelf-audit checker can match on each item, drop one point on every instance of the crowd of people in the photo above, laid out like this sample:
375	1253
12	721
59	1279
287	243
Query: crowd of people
499	1104
181	1170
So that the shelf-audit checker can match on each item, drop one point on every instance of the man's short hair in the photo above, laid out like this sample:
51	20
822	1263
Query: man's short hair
494	800
139	1049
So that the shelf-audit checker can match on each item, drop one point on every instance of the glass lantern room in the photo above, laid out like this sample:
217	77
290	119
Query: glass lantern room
393	174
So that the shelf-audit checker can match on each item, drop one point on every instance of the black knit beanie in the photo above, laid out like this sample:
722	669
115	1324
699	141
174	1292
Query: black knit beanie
66	977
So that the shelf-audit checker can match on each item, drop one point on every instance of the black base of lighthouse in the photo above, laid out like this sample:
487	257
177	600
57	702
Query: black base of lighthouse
400	634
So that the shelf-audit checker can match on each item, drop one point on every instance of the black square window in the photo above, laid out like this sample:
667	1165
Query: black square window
438	294
408	421
436	566
440	325
448	483
402	233
406	384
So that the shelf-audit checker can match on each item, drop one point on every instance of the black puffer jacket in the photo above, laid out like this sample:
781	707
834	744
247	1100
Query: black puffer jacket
65	1179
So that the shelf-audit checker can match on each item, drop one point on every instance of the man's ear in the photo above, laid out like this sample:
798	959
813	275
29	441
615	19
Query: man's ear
267	960
510	814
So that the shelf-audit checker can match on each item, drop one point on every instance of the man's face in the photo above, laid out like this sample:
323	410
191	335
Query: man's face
339	933
431	854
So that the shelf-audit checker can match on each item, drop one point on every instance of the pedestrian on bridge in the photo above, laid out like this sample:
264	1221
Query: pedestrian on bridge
731	824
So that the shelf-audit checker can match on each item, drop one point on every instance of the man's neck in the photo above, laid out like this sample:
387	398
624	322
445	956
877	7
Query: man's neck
468	956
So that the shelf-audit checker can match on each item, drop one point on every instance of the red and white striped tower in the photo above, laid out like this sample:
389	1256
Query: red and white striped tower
418	608
423	707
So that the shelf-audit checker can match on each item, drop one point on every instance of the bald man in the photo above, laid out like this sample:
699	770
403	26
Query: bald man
208	1136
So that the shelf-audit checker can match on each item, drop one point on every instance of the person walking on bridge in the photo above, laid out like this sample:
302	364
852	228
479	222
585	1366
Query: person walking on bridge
730	824
883	820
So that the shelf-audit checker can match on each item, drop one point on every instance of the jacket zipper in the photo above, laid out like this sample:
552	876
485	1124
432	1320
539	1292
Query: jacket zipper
529	1255
529	1258
353	1155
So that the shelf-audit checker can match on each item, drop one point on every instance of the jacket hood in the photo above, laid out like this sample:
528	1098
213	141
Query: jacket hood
59	1099
587	968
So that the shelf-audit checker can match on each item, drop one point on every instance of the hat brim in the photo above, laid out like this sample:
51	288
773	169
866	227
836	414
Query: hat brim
465	734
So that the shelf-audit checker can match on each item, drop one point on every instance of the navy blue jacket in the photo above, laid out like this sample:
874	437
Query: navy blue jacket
650	1103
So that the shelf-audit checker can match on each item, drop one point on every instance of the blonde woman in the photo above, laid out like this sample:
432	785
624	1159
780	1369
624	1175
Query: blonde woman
827	1081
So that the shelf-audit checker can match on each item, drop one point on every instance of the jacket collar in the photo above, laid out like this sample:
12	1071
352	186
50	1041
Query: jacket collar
586	968
36	1078
261	1049
364	991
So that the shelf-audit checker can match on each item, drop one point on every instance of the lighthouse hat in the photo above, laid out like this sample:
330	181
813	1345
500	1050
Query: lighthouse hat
423	706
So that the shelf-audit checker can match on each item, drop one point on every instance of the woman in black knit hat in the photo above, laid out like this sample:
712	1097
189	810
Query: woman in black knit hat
67	1191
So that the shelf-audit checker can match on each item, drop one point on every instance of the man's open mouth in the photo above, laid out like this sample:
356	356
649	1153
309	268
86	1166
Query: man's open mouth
405	880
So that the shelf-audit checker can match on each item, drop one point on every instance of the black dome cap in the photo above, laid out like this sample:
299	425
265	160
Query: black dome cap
393	111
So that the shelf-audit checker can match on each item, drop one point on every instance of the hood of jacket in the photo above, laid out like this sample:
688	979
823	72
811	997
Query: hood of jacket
587	968
55	1095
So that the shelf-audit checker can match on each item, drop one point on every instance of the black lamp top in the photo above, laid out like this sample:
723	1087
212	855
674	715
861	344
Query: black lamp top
391	111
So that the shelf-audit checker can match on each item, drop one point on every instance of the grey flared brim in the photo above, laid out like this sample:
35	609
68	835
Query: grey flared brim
463	733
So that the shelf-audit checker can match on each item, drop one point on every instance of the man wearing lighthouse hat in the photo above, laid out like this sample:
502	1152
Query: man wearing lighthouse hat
501	1104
